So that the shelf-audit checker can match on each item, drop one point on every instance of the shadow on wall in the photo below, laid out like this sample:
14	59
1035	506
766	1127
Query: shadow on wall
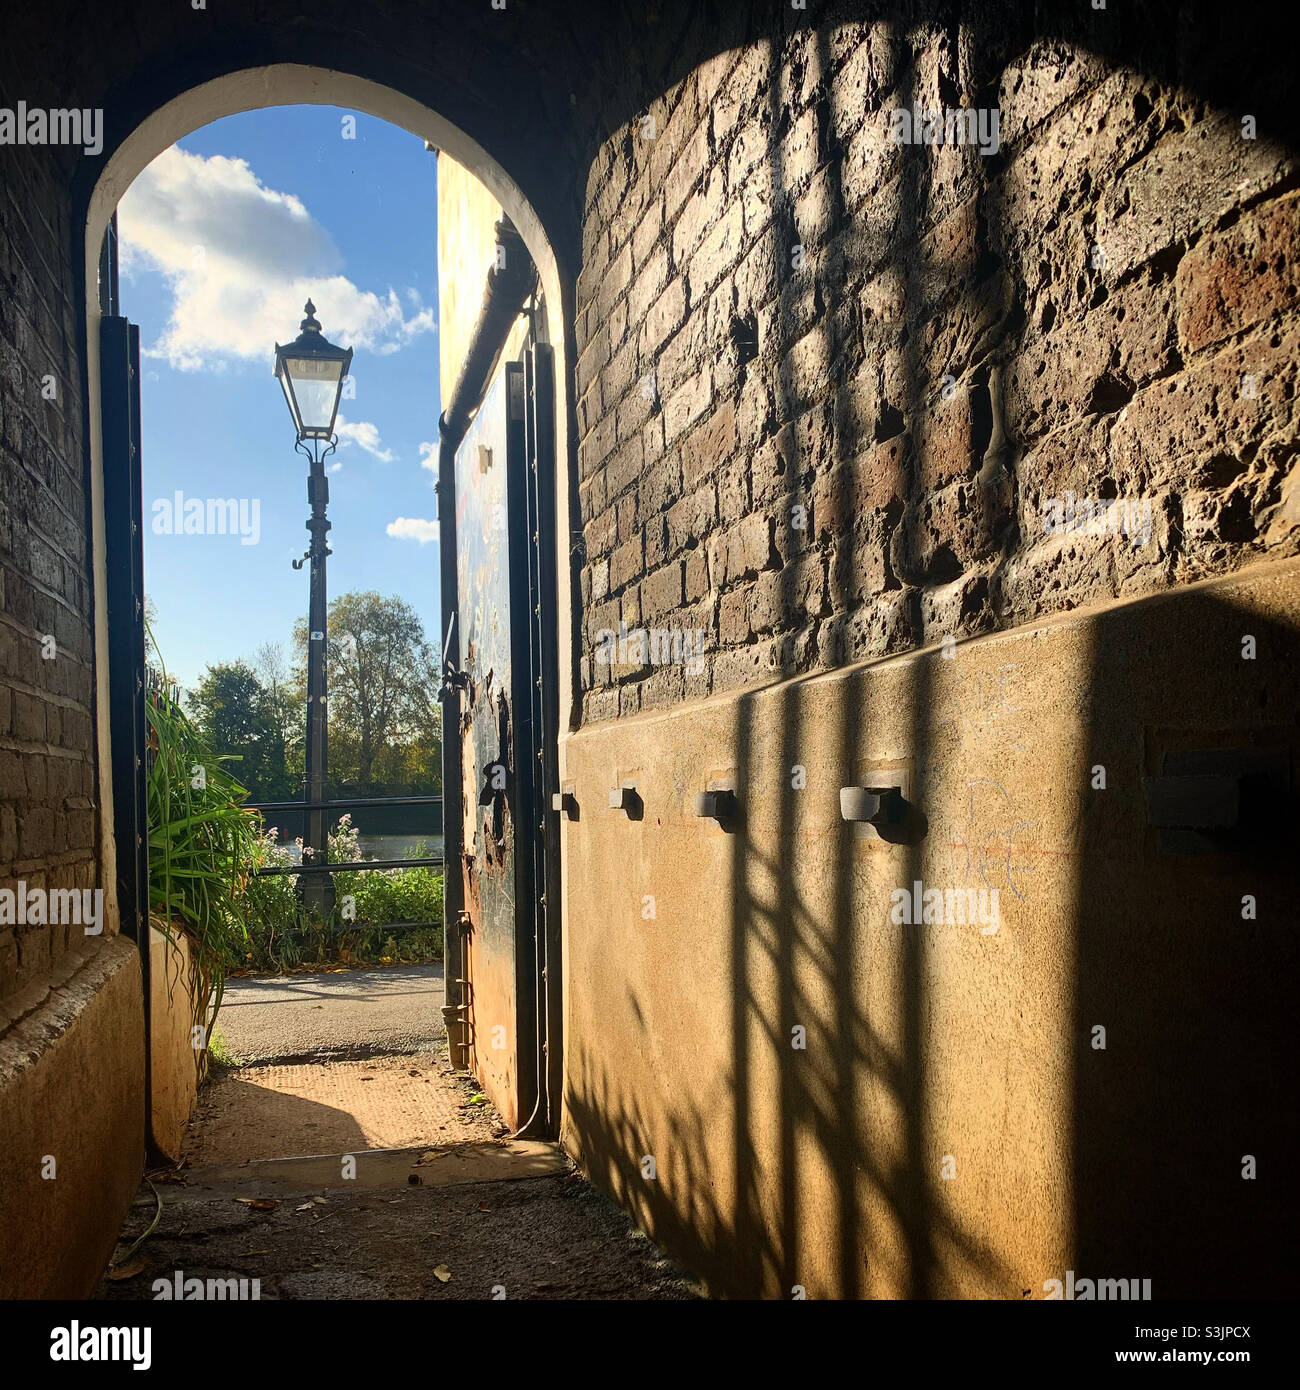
824	1165
1137	1169
1193	984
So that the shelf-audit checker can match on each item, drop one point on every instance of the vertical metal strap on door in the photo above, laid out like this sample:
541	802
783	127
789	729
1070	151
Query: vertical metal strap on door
544	668
124	544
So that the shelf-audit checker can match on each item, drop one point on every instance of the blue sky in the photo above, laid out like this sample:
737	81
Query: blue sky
223	238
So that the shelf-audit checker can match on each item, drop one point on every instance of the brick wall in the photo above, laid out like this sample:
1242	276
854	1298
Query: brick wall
827	383
47	756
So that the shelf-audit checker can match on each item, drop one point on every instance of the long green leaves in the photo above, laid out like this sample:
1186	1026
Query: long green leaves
201	847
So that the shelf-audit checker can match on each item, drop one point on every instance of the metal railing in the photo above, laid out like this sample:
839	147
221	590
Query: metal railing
344	804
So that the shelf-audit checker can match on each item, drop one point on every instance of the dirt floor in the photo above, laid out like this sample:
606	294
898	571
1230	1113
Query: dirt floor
391	1177
337	1107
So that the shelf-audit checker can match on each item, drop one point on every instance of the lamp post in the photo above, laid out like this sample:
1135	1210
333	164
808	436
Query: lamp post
311	371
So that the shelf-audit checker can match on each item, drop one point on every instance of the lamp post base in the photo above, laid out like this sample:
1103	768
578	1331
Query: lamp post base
317	893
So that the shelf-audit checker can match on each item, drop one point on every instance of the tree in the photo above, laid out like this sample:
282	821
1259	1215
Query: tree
284	703
232	711
382	690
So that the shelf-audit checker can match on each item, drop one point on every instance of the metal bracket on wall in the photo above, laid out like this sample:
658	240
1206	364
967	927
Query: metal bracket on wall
565	802
878	806
625	797
881	809
718	803
1209	800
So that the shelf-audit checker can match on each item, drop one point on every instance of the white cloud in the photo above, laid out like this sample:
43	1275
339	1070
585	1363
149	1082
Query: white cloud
409	528
429	456
364	434
241	260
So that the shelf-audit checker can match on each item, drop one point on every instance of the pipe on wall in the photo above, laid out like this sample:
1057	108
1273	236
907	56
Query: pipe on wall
510	282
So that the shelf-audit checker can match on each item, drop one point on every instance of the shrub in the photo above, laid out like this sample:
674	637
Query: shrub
282	935
200	851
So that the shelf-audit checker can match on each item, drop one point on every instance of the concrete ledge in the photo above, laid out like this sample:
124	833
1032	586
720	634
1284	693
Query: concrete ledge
72	1105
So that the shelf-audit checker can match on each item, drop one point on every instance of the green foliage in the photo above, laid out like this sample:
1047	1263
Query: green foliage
385	719
201	843
282	936
243	723
219	1053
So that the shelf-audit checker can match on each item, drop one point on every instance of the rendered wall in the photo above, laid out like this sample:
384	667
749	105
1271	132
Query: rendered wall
951	1127
173	1077
72	1121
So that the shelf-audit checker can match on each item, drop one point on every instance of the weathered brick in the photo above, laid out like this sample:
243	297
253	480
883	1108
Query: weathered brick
687	170
696	579
742	551
662	591
692	518
733	618
664	318
719	250
686	404
646	236
1232	280
28	718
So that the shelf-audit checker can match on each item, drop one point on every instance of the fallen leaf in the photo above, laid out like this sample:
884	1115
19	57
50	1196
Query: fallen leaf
442	1274
306	1206
128	1270
483	1206
259	1203
324	1201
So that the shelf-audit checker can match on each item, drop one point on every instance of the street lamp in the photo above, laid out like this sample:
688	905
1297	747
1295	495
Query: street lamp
311	371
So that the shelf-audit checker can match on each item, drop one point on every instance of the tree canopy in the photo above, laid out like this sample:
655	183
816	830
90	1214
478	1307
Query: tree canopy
385	733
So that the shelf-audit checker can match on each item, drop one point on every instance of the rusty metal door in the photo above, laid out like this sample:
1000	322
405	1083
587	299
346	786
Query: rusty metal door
497	748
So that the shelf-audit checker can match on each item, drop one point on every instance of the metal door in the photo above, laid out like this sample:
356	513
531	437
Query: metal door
119	355
496	740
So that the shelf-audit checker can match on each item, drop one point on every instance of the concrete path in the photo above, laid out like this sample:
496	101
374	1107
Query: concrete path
337	1107
349	1013
388	1177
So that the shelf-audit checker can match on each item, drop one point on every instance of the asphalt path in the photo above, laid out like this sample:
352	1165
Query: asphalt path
351	1013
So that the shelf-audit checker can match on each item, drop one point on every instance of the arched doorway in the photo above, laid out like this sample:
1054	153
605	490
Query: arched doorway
288	85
